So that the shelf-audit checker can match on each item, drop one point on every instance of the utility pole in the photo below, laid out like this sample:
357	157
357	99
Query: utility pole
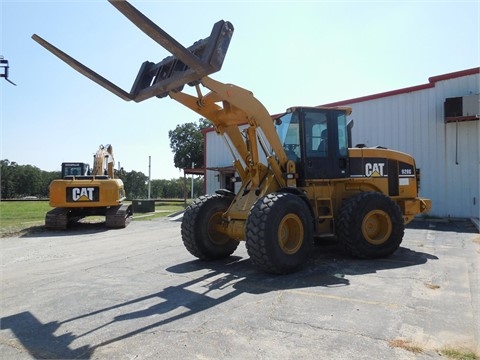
149	175
193	164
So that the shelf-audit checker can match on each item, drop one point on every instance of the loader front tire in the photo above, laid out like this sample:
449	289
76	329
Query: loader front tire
370	225
198	228
279	233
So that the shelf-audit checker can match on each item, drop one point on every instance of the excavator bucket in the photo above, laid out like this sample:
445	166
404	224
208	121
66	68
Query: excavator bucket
186	66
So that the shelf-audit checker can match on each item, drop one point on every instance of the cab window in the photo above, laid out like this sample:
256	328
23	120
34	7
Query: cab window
342	135
316	134
288	131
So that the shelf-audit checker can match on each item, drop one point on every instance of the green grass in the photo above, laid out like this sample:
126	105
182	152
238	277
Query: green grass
449	353
22	213
162	209
457	354
17	217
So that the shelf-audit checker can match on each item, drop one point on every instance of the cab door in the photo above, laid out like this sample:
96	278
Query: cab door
325	142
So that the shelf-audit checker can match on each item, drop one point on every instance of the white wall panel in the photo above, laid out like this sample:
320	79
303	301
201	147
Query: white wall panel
216	155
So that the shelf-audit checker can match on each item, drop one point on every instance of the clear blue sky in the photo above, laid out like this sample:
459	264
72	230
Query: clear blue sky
287	52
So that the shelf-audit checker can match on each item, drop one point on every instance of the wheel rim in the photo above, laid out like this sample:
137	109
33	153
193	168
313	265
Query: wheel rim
376	227
214	235
290	234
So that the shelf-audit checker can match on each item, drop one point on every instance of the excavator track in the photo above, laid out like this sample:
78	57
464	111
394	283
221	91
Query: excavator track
57	219
118	217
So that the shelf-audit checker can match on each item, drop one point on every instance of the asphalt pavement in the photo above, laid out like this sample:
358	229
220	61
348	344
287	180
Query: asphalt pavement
136	293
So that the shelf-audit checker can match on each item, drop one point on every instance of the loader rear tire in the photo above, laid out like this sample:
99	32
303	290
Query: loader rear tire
370	225
279	233
198	228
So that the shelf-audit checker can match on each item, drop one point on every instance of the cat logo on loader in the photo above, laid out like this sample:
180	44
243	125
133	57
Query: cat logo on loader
374	170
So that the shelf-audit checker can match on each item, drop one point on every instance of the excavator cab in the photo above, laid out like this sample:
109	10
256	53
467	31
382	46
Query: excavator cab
70	170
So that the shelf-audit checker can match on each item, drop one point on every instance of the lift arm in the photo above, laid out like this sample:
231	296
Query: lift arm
226	106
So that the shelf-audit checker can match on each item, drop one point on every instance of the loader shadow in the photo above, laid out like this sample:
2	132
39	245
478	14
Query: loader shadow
329	257
444	225
329	266
209	284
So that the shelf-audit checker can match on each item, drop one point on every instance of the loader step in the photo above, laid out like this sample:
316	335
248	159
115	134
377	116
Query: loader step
324	206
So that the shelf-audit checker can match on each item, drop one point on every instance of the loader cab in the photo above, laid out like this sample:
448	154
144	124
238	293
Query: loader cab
317	140
75	169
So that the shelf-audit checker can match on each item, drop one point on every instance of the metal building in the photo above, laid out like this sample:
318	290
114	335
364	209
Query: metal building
436	122
219	170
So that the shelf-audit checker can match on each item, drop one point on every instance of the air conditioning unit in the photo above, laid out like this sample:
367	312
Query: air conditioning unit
471	105
462	108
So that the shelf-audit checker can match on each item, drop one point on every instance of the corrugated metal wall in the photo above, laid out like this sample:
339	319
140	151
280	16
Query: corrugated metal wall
414	123
216	155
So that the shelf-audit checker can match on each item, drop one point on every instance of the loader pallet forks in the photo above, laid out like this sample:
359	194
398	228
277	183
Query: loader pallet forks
299	176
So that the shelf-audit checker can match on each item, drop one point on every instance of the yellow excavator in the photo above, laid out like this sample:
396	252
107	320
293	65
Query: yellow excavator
300	177
83	191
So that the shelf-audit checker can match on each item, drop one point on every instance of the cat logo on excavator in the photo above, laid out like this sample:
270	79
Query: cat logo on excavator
82	194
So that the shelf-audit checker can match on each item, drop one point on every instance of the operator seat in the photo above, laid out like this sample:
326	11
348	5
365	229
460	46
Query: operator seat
323	146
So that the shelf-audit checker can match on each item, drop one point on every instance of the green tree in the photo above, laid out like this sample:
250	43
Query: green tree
187	144
47	177
24	180
156	189
198	186
135	185
7	178
28	181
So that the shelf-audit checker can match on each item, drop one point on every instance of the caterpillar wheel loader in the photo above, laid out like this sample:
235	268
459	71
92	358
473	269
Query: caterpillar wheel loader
300	176
85	192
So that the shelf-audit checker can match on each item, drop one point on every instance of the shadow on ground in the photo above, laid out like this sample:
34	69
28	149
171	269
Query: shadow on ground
229	278
444	224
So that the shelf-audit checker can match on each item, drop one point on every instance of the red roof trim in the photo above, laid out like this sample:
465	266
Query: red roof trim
455	74
432	80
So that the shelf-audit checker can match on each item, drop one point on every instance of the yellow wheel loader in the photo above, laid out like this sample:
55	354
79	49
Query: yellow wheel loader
85	192
300	176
